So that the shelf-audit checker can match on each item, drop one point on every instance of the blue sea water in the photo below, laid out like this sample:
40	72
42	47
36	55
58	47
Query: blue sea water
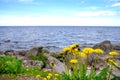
21	37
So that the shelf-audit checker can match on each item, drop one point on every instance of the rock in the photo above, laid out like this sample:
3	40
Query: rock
105	45
36	50
6	40
19	57
33	63
116	46
60	67
1	53
100	60
9	52
22	53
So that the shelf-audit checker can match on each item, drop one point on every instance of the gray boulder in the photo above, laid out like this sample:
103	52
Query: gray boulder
105	45
60	67
9	52
36	50
1	53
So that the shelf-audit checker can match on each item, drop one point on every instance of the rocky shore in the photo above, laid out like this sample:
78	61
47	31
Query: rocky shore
25	56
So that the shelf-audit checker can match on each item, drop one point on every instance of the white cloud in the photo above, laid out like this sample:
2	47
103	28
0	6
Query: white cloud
96	13
55	20
116	5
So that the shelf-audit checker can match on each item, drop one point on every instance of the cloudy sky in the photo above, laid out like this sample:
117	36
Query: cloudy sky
60	12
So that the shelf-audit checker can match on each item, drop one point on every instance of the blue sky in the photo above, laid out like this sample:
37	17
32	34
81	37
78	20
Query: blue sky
60	12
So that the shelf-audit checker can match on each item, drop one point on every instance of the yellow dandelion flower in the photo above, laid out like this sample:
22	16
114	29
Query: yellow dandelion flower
44	78
99	51
56	74
45	70
73	61
66	49
52	63
38	76
113	53
50	74
48	77
88	50
75	51
81	54
27	67
73	46
111	61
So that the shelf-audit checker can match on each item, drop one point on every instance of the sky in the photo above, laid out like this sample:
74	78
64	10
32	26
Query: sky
59	12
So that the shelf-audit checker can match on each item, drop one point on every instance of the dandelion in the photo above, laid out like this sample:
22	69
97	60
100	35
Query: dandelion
111	61
27	67
45	70
38	76
99	51
52	64
73	46
88	50
66	49
83	55
113	53
56	74
73	61
44	78
48	77
75	51
50	74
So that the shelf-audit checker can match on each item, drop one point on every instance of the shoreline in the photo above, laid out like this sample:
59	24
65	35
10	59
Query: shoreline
28	57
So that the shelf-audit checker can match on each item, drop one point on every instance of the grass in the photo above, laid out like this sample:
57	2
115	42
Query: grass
39	57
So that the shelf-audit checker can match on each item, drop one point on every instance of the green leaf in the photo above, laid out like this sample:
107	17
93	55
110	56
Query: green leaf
91	75
103	74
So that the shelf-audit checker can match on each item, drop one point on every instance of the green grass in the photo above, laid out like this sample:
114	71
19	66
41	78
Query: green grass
39	57
9	64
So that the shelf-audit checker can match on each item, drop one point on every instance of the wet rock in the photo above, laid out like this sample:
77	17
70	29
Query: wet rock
60	67
22	53
36	50
105	45
9	52
6	40
33	63
15	42
1	53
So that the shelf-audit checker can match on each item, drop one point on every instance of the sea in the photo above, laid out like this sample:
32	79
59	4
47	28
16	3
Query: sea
55	38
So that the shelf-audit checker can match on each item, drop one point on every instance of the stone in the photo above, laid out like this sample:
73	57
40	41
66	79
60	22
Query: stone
60	67
1	53
22	53
105	45
6	40
9	52
33	63
116	46
19	57
36	50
